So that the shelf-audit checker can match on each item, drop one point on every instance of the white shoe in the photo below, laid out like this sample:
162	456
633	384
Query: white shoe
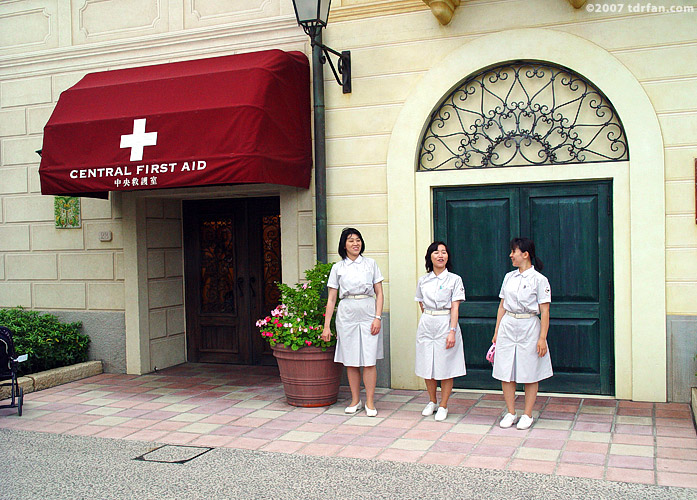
441	414
429	409
352	410
508	420
525	422
371	412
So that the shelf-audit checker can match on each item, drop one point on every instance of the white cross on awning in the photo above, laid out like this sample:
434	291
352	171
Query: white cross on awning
138	139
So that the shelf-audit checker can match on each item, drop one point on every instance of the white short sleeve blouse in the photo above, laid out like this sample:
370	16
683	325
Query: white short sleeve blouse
355	277
439	291
523	292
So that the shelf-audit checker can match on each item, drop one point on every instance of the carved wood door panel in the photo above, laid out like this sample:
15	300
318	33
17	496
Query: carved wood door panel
232	259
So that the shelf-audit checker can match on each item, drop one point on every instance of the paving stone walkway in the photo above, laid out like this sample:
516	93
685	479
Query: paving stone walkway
245	408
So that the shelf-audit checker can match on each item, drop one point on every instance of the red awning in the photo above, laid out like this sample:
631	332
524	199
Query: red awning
225	120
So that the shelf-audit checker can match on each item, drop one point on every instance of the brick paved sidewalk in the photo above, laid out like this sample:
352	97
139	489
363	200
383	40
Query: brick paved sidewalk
244	407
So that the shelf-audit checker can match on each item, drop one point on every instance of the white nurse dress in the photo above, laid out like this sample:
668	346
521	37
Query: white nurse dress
433	360
355	346
516	357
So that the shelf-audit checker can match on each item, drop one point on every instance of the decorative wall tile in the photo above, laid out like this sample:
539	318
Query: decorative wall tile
67	212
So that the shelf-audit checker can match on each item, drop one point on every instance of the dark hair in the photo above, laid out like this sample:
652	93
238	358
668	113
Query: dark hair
345	233
527	245
432	248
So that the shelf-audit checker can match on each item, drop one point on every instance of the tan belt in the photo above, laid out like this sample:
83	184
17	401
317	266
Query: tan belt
437	312
360	296
521	315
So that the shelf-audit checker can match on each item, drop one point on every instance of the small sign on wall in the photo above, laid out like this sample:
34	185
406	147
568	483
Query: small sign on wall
67	212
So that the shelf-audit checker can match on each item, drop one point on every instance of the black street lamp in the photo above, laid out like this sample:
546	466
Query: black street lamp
312	16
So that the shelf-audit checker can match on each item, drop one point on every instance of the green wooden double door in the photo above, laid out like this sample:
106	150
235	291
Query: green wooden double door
571	225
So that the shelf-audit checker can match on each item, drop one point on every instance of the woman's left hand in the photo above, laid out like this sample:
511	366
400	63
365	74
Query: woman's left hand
375	327
541	347
326	335
450	341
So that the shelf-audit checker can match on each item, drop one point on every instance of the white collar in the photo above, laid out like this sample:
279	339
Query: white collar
432	275
348	261
525	273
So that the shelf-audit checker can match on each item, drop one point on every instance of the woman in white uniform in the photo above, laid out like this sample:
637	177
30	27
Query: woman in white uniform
439	349
520	335
358	282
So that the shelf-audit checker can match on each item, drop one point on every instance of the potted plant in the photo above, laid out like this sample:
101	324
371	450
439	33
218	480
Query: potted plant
306	363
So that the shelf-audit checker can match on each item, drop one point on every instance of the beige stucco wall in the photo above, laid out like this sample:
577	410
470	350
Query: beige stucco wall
390	55
47	45
165	268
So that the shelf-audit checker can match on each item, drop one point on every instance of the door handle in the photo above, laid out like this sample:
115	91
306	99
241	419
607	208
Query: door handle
240	286
252	282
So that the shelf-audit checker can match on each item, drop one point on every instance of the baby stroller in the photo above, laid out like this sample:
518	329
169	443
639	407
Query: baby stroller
8	369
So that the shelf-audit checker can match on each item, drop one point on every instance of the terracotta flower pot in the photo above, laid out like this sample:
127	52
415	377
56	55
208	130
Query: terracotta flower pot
310	376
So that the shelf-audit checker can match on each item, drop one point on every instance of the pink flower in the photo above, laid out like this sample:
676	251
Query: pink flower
308	342
304	286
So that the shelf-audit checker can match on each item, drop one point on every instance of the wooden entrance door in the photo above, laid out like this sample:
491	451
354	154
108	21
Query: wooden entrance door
232	251
571	224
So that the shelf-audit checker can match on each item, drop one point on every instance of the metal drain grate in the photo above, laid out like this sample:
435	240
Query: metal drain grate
173	454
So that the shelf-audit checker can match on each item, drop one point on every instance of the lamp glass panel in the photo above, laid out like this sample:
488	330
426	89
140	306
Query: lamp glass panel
306	10
324	10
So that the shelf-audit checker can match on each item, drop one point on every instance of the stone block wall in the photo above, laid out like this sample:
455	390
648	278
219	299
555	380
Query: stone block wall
165	282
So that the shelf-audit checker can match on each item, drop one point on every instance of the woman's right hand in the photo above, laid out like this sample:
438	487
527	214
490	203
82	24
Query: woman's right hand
493	340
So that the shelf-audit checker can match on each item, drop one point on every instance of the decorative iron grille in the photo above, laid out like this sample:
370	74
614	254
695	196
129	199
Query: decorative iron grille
519	114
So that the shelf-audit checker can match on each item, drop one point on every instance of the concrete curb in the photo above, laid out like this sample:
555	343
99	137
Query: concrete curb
51	378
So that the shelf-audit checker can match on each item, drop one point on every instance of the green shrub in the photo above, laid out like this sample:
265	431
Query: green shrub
48	342
298	320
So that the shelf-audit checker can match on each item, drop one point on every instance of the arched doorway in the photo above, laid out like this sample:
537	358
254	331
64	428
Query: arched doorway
527	113
639	311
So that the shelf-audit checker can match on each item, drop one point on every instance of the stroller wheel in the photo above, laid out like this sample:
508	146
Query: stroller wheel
20	401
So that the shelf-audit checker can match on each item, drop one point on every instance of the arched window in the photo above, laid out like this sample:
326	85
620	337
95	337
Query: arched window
522	113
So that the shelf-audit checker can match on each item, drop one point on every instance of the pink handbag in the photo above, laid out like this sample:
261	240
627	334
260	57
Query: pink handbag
490	353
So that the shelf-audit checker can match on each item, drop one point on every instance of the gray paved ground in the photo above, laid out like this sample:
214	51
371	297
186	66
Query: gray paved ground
54	467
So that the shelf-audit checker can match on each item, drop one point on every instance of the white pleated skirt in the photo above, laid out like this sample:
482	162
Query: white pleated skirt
516	356
433	360
355	346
